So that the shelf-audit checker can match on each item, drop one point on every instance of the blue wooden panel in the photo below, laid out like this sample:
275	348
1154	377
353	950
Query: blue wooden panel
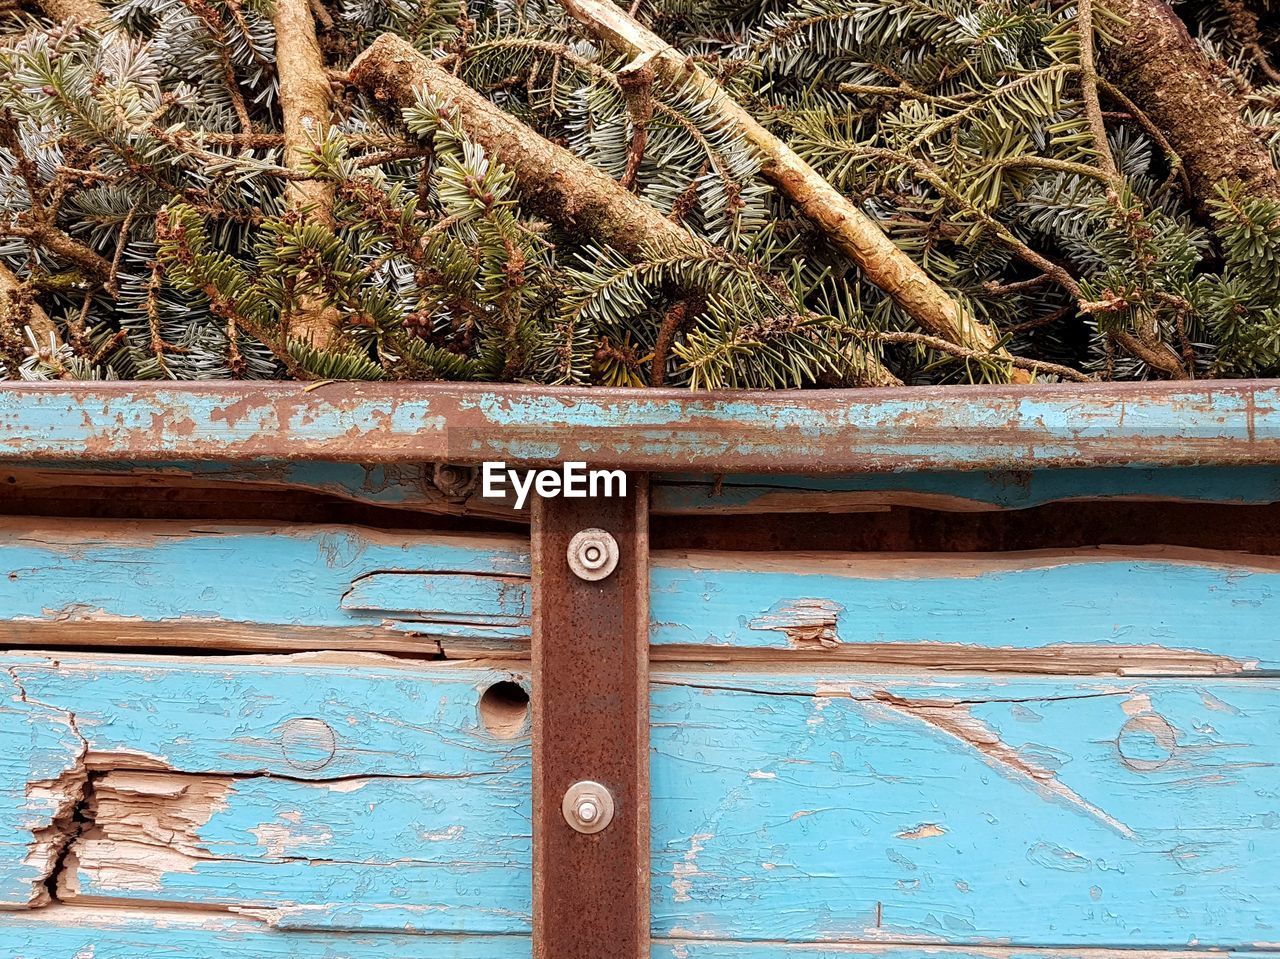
1215	610
1020	811
1223	605
63	933
74	933
335	795
1124	813
307	576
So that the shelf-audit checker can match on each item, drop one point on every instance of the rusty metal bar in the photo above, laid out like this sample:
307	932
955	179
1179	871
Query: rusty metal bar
591	727
832	431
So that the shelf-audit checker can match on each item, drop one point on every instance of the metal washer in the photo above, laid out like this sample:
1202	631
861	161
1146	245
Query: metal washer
584	792
592	554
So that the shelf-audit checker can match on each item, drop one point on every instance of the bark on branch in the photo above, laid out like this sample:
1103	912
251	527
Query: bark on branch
306	105
65	11
850	230
553	182
18	306
1158	66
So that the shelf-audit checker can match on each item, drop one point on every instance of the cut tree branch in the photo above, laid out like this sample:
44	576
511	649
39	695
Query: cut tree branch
306	103
65	11
18	306
553	182
1160	67
853	232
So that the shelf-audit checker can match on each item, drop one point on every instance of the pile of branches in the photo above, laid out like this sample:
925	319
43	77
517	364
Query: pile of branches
709	193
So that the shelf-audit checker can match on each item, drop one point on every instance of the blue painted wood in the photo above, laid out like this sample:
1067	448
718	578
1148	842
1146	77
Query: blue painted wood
105	934
1216	606
657	430
1221	604
447	597
785	807
127	934
299	576
36	743
312	766
1020	811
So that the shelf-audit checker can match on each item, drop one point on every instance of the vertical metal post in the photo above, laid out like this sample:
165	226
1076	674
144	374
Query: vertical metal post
591	728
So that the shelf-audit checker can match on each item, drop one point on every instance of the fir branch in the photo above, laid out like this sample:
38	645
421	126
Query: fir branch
850	230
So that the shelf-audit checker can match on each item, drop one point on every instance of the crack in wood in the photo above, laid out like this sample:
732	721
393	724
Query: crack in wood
955	720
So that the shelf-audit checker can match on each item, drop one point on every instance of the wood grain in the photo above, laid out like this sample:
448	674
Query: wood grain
76	933
411	487
1138	610
351	793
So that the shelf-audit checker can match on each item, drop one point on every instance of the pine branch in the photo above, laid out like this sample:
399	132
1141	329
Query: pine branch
964	353
850	230
553	182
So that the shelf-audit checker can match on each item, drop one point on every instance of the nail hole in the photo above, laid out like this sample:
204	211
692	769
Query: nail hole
504	709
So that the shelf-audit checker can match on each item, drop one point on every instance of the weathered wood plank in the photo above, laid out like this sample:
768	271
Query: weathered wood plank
75	933
1161	610
1144	611
830	431
69	932
81	574
412	486
961	491
306	789
322	795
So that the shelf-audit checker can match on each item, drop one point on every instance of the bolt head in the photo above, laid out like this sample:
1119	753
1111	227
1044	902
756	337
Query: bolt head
593	554
587	807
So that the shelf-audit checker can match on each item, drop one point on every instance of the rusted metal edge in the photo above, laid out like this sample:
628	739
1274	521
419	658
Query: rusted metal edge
591	731
1164	424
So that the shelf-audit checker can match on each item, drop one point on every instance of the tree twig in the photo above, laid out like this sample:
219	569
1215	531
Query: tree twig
636	81
961	352
18	307
1089	91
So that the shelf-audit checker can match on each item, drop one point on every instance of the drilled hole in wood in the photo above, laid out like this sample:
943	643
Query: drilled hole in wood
504	709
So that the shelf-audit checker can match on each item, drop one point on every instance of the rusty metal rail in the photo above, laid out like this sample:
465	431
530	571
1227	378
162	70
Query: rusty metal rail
591	727
1165	424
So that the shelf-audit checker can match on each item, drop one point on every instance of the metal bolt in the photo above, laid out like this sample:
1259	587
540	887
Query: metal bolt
453	479
593	554
587	807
